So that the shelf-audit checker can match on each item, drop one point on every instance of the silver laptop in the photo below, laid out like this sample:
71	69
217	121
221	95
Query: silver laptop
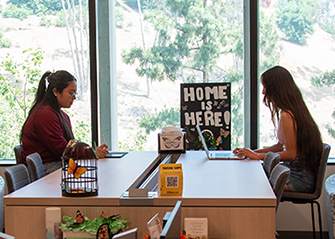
220	154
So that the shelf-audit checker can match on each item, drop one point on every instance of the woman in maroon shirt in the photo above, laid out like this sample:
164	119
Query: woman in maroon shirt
47	129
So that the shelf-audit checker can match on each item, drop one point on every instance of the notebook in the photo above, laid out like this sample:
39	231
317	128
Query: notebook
220	154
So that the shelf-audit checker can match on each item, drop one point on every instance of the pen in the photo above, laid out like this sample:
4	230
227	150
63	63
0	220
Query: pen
103	137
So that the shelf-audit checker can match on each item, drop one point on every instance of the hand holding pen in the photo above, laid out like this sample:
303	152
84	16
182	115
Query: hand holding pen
102	150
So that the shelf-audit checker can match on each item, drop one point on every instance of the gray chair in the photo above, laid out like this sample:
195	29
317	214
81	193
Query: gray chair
16	176
18	153
2	194
278	178
303	198
5	236
270	161
35	166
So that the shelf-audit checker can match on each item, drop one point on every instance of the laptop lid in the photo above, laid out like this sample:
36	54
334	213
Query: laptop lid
202	139
221	154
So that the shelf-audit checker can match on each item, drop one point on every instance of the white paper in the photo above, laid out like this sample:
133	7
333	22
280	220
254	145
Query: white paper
53	219
171	129
155	227
196	227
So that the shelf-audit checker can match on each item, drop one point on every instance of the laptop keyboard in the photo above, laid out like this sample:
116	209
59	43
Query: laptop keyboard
222	155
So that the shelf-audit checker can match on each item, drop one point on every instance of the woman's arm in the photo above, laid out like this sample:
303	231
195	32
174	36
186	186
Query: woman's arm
287	123
278	147
258	154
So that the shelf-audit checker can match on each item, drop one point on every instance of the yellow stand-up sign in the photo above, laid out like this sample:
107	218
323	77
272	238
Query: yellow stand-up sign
170	180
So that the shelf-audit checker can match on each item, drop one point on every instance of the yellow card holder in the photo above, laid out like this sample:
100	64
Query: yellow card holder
170	180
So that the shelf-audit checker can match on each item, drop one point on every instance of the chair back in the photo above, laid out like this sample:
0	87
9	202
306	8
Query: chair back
18	153
17	176
322	170
319	179
5	236
35	166
278	179
270	161
2	194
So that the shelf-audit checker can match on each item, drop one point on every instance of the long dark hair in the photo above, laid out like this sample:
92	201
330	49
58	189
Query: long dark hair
282	94
58	80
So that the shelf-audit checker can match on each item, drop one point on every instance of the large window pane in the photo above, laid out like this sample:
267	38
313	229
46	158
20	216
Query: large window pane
302	36
168	43
36	37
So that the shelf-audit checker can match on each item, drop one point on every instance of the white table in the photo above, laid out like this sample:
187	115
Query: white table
235	196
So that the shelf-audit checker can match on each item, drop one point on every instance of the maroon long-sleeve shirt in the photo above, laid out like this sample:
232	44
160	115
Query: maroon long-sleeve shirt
43	133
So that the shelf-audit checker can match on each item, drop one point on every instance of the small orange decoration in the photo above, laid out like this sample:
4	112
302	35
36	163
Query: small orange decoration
182	235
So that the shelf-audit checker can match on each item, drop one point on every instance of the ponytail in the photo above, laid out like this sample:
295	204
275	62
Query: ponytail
42	86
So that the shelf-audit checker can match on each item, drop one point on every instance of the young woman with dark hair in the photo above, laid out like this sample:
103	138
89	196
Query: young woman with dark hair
299	139
47	129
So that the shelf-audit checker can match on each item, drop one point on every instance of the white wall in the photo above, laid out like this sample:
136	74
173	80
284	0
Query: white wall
297	217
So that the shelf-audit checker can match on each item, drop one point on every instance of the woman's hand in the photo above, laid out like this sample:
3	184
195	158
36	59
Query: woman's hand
243	152
102	151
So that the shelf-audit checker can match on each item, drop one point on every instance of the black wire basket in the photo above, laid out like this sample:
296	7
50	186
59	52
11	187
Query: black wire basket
79	170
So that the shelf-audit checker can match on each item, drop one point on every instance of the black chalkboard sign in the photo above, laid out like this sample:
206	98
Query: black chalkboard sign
206	104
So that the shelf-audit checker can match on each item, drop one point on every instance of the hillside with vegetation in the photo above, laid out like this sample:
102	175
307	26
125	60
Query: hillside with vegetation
152	62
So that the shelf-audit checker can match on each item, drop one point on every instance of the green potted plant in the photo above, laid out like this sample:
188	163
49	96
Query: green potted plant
209	139
89	228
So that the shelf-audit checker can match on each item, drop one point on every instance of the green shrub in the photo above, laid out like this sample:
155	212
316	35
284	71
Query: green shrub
130	24
164	118
1	32
45	22
269	41
37	6
132	4
293	21
209	139
60	21
134	142
13	11
5	42
327	79
16	100
81	128
119	17
328	27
